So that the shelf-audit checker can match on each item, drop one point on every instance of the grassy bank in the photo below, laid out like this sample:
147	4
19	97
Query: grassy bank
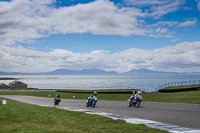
24	118
176	97
181	87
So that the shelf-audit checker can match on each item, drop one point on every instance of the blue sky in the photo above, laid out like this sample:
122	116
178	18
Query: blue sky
112	35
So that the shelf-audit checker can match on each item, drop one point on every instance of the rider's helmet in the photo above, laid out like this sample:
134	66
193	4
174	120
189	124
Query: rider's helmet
134	92
58	95
95	93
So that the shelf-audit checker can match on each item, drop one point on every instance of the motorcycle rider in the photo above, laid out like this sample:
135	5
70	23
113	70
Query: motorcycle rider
93	94
136	93
58	95
139	93
132	97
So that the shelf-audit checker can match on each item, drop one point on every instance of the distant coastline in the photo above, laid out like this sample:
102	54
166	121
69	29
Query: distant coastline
87	82
142	71
7	78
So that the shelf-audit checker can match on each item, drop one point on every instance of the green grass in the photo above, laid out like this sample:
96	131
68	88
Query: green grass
17	117
106	90
181	87
192	97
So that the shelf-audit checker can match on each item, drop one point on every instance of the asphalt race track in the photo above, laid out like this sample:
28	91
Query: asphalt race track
186	115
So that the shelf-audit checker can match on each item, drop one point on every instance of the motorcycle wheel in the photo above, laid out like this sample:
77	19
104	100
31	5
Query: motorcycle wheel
137	104
93	104
129	104
56	103
87	104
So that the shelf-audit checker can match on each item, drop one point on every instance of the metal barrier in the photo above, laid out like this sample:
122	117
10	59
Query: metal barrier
79	88
182	83
97	87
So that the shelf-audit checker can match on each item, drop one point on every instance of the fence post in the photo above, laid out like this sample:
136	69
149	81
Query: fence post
182	83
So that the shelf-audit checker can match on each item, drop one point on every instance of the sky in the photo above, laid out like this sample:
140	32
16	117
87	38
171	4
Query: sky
111	35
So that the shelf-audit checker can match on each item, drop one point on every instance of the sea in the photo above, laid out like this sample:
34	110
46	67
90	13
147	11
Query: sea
146	83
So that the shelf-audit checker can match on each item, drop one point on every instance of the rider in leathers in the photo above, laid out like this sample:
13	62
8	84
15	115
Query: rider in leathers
93	94
58	95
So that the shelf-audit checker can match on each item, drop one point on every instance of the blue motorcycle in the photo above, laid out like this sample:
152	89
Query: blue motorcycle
91	101
135	101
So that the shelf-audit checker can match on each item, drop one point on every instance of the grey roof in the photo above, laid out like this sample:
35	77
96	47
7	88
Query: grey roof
3	84
14	82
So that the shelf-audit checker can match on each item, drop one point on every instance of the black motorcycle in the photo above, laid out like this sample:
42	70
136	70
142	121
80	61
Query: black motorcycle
56	101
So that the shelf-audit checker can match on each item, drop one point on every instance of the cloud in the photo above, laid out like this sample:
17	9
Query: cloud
143	3
183	57
161	10
188	23
23	20
157	8
161	30
198	4
26	20
98	17
175	40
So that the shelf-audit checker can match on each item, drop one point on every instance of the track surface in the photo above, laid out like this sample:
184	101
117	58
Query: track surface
187	115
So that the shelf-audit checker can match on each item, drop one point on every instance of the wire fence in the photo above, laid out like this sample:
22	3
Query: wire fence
98	87
76	88
182	83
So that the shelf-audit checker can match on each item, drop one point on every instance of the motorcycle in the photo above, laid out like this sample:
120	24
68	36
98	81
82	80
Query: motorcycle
91	101
135	101
56	101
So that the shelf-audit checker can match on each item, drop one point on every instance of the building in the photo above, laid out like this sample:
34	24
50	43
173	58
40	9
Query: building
4	86
18	85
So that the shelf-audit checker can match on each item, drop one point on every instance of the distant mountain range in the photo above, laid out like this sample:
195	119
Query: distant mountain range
143	71
81	72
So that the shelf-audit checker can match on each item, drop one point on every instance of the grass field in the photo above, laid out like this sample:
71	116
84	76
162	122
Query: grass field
176	97
17	117
181	87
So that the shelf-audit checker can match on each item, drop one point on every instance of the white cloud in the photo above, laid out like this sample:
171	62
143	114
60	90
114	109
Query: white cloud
157	8
161	30
27	20
158	30
175	40
188	23
181	57
161	10
198	4
99	17
22	20
161	35
147	2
